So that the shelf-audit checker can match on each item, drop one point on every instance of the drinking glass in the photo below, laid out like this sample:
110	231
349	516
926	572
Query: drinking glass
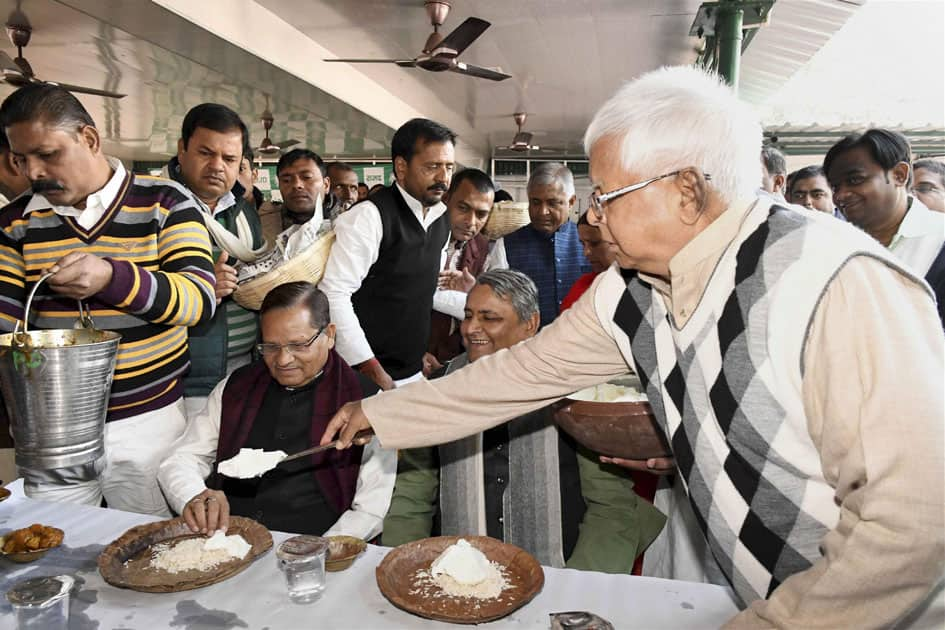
302	560
42	603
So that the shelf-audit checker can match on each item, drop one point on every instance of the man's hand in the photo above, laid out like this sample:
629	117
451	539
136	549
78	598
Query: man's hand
207	512
457	280
655	465
430	364
226	277
373	370
347	421
79	275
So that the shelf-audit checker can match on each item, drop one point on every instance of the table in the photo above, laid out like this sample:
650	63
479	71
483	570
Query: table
256	598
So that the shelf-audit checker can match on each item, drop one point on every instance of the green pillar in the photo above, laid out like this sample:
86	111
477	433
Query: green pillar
729	31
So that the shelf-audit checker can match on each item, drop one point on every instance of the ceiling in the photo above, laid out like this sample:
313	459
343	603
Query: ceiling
566	58
166	65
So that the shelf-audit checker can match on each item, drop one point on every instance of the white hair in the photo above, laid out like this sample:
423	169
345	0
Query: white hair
552	174
679	117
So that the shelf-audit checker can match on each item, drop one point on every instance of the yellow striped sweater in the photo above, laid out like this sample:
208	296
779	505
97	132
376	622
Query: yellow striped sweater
162	282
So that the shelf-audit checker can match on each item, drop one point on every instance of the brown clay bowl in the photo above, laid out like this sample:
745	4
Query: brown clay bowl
342	551
23	557
616	429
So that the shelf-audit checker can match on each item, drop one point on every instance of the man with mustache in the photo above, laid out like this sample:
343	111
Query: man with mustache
211	147
548	250
344	186
135	250
383	267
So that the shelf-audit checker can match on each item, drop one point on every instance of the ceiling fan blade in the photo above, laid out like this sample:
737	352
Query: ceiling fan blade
9	66
87	90
463	35
399	62
24	66
478	71
287	143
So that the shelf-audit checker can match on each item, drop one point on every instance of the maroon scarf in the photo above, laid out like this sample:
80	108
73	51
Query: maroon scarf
336	472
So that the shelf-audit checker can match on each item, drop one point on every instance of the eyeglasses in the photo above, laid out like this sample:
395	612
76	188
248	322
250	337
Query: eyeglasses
295	349
597	200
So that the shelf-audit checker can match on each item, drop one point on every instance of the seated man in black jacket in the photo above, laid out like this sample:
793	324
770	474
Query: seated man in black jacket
283	403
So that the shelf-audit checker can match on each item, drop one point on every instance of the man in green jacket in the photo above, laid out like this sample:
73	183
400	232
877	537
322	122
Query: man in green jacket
526	482
211	147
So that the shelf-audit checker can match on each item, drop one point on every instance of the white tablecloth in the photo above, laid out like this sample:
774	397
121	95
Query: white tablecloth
256	598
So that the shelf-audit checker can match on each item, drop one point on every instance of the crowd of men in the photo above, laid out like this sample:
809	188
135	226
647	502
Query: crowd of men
787	328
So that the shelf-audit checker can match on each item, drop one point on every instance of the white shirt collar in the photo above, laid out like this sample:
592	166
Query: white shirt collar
226	201
433	212
918	221
101	199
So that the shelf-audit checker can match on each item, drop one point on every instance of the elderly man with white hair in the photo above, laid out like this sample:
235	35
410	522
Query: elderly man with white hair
794	364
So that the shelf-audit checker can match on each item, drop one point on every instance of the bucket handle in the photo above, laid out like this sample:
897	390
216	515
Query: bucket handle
85	318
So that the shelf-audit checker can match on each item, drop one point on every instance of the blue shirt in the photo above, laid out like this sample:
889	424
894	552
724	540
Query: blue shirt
553	261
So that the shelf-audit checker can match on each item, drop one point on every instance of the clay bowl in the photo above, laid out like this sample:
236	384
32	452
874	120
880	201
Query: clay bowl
616	429
342	551
23	557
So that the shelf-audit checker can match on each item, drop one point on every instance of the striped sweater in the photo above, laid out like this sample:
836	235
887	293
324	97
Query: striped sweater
162	282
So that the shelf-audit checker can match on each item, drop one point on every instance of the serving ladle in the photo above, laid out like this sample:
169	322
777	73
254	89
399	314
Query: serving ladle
360	438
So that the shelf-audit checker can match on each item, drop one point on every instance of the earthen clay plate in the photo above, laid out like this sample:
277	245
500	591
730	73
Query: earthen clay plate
396	579
126	563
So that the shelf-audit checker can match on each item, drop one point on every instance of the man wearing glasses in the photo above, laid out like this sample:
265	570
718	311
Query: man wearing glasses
283	402
794	364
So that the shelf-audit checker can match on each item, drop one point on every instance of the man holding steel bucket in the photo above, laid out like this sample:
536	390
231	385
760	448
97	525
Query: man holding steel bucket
134	250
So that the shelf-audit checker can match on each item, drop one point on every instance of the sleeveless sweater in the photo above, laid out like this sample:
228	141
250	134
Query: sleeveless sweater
726	387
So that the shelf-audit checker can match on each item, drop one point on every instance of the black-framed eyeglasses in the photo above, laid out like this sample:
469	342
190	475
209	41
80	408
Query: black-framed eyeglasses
297	348
597	200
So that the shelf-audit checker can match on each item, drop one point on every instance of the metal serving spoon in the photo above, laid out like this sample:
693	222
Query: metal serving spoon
360	438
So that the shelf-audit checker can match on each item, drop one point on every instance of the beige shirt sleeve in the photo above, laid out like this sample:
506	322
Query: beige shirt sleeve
873	396
572	353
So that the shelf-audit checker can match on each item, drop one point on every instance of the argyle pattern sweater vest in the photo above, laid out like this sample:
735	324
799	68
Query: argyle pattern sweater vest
726	388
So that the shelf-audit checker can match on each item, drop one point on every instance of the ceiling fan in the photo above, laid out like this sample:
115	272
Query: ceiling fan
440	53
18	72
523	139
267	146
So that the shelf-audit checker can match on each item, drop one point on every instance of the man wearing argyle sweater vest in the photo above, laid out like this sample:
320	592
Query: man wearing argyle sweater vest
794	365
136	252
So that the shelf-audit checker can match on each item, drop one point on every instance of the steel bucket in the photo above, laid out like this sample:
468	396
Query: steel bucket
56	385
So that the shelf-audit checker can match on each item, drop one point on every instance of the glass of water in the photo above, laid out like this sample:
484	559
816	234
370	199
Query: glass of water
42	603
302	560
